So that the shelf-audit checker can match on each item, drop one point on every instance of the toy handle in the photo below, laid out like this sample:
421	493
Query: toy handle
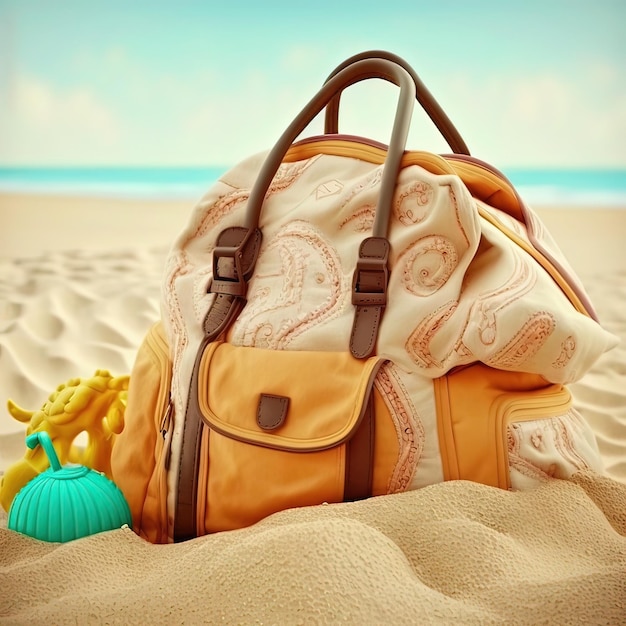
43	439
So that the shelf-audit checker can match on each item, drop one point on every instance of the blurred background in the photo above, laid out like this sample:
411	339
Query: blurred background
111	90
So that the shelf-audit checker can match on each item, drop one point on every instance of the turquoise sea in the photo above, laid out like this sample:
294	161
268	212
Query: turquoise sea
540	187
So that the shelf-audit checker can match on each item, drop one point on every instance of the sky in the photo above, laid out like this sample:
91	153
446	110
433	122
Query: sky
530	83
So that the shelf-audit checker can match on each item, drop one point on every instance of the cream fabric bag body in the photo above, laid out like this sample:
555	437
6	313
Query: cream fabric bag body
474	319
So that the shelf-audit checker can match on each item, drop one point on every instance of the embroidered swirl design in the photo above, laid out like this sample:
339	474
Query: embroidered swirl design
428	264
418	344
525	343
521	280
289	173
361	220
409	427
277	311
412	204
564	427
365	184
568	347
555	437
518	462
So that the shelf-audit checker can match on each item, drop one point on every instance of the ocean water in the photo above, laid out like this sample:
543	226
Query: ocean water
540	187
116	182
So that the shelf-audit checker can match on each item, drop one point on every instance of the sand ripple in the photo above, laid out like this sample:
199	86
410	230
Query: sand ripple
66	314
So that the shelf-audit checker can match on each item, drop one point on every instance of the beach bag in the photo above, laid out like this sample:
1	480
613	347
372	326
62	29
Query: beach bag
344	319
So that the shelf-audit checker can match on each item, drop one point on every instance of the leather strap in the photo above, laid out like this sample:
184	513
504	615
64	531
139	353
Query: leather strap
352	74
187	484
229	307
424	97
359	458
234	257
234	241
369	295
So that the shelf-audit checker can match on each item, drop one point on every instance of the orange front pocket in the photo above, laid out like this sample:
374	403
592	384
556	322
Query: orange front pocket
254	463
246	483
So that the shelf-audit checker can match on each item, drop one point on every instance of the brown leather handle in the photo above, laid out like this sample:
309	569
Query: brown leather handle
424	97
236	250
342	79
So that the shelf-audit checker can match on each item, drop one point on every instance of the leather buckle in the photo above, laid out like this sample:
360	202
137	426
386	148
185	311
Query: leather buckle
234	284
371	276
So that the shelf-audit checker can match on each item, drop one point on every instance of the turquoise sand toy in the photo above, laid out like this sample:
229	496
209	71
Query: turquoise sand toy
66	502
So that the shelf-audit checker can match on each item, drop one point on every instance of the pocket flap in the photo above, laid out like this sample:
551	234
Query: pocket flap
289	400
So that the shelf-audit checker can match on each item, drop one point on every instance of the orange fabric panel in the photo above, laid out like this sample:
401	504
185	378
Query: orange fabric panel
474	406
326	396
136	459
247	483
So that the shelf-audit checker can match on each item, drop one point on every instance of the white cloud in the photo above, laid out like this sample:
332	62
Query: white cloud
545	119
43	124
218	116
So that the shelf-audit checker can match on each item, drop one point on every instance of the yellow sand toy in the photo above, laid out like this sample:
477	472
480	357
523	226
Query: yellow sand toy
82	405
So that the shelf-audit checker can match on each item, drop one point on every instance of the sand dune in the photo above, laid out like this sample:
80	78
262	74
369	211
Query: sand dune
601	394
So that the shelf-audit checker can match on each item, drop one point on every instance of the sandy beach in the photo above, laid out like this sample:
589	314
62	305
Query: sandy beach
33	225
79	286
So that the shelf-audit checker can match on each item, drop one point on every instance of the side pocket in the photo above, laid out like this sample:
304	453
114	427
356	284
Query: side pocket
141	451
475	407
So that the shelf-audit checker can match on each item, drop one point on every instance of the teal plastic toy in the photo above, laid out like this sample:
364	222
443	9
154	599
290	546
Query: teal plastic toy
66	502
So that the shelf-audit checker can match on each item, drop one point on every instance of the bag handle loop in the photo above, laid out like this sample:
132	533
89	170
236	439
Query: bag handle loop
424	97
353	73
238	247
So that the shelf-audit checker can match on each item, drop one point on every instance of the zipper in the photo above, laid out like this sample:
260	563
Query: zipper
160	350
163	421
163	465
343	137
364	149
166	422
466	158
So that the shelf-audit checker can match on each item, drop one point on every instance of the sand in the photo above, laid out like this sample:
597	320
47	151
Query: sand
79	284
